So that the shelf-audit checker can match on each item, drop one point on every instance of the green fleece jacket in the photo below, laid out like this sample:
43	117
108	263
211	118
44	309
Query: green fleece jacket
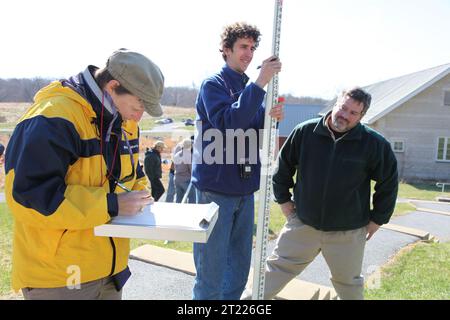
332	188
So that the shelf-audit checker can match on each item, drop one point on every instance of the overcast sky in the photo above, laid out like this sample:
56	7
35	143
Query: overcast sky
326	45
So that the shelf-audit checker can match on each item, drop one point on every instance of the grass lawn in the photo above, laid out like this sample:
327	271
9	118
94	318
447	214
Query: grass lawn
420	274
402	209
176	245
5	249
421	191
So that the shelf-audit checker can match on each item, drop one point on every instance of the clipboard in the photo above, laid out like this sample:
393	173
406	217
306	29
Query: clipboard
165	221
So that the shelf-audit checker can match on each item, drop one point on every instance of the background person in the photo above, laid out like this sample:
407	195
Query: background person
170	196
183	169
2	156
153	169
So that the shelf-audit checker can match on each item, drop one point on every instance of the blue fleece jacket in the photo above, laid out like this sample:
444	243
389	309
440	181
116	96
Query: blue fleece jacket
225	102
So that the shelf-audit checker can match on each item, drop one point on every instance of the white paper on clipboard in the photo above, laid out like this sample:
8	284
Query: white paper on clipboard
165	221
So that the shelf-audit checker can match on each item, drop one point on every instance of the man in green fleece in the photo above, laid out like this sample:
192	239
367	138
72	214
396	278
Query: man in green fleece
335	158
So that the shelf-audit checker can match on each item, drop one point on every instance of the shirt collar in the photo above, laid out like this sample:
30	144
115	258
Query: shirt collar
235	76
322	129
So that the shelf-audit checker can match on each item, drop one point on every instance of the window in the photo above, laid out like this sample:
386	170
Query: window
443	150
398	145
447	98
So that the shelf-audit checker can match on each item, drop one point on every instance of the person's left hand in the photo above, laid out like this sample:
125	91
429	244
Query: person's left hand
372	227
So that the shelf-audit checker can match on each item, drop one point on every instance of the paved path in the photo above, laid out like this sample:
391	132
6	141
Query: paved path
433	205
146	282
152	282
157	283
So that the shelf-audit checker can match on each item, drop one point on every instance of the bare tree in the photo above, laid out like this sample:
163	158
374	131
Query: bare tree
24	90
20	90
32	86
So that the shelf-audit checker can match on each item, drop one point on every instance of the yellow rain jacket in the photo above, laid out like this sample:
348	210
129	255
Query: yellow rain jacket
54	174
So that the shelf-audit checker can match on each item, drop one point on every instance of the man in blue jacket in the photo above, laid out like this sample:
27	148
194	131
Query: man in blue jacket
334	159
226	168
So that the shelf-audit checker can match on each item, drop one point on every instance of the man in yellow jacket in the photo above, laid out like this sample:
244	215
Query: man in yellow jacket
72	164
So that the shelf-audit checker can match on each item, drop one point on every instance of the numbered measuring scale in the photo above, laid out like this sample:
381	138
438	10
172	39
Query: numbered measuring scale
267	164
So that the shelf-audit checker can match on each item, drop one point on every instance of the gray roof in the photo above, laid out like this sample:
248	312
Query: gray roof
295	114
389	94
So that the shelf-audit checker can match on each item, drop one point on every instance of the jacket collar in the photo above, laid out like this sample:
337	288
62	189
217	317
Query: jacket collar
234	76
85	85
322	129
95	89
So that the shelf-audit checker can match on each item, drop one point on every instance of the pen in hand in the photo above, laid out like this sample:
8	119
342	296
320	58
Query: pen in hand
123	187
142	183
131	202
273	59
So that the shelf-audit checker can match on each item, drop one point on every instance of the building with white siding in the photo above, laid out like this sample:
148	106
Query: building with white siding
413	113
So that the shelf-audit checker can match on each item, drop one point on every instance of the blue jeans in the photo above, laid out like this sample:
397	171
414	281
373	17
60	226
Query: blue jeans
181	189
223	263
171	188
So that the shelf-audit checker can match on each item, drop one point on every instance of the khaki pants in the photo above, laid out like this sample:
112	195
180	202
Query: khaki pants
298	245
102	289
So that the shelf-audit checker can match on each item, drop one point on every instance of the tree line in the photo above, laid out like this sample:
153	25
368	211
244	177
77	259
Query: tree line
23	90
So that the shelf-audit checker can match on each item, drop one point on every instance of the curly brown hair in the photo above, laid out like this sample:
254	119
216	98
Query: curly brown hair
231	33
